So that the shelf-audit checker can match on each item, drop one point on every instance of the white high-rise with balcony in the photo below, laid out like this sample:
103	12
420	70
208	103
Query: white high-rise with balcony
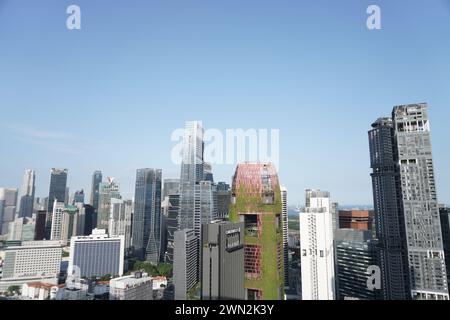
317	251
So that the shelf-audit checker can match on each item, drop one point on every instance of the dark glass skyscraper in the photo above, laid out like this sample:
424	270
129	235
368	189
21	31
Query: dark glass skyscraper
97	179
146	232
58	184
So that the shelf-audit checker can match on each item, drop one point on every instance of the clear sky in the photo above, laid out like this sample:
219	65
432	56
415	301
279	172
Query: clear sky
108	96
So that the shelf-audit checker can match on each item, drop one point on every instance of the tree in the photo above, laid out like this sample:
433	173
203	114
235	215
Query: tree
12	290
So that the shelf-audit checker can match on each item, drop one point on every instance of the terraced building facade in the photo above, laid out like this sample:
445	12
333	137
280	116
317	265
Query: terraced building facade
256	201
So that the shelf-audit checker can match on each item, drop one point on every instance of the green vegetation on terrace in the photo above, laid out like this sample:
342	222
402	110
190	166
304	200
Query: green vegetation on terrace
251	202
248	202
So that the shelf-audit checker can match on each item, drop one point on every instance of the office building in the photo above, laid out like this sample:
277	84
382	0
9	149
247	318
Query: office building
26	196
191	173
107	191
185	264
356	219
444	213
171	186
78	197
317	251
355	253
223	261
138	286
97	179
120	220
285	217
97	255
256	201
173	208
58	186
223	203
147	215
8	201
205	205
31	261
39	231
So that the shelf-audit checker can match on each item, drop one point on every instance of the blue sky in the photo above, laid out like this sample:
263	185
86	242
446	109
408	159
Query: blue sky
108	96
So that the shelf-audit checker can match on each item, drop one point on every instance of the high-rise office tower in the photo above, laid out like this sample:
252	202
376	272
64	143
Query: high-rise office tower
58	188
355	253
444	213
207	172
389	220
97	255
400	148
185	264
26	197
107	191
39	230
223	204
120	220
58	185
191	172
171	186
8	201
205	207
173	209
64	222
256	201
90	219
78	197
317	250
223	261
285	218
147	215
97	179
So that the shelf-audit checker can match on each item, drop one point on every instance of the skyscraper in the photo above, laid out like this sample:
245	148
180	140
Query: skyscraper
419	202
285	235
408	186
107	191
147	215
8	201
185	264
317	248
78	197
58	184
256	201
26	196
444	213
191	172
120	220
355	253
223	261
58	190
171	186
97	179
390	225
205	207
172	224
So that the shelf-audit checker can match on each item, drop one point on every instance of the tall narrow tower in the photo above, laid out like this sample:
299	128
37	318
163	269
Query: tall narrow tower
26	196
428	276
317	250
256	201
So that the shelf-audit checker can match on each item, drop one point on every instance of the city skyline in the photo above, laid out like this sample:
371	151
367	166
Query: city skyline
149	61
